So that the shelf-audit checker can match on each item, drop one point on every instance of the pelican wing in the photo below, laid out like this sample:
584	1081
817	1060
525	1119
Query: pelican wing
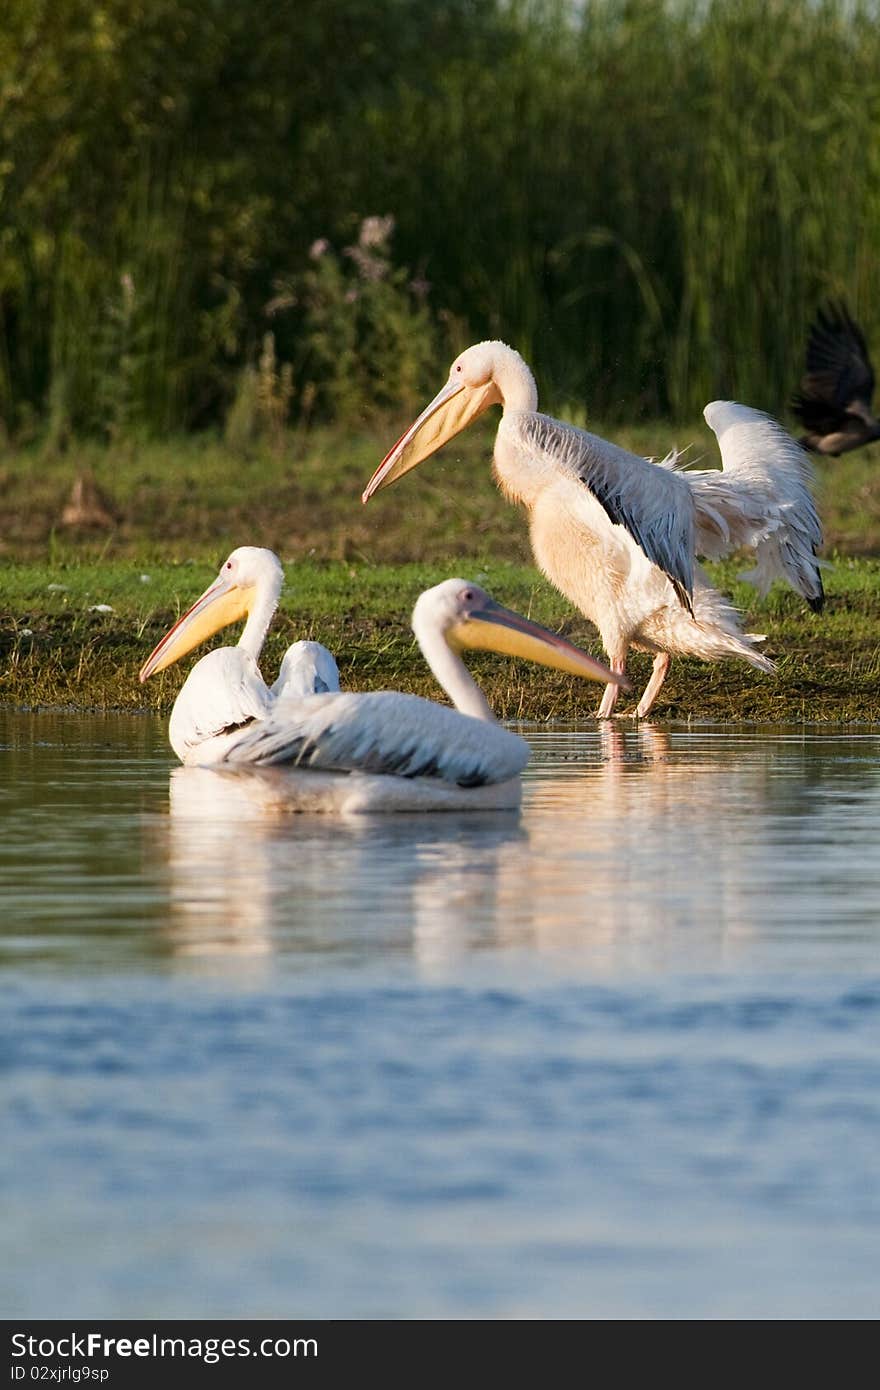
649	501
223	692
759	500
381	732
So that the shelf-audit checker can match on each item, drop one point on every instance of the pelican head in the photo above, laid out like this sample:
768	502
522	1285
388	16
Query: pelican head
486	374
249	579
467	618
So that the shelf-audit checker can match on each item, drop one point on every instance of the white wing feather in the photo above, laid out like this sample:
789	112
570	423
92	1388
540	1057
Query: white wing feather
222	692
307	668
760	500
381	732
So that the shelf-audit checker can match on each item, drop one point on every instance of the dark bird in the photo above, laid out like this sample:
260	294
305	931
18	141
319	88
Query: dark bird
834	400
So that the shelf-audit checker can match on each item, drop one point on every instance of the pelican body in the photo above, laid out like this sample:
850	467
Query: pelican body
225	690
381	750
618	534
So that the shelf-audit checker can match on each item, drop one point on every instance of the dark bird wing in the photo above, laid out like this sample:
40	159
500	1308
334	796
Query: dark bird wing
839	380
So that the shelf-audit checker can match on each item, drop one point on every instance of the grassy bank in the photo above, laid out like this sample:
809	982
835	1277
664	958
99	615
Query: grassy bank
61	649
354	573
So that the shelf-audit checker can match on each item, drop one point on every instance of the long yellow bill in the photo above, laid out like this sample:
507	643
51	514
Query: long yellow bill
222	603
490	627
451	411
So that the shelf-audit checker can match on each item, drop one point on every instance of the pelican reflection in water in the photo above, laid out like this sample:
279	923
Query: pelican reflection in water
287	882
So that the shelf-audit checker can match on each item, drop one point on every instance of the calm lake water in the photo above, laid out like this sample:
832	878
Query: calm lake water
618	1055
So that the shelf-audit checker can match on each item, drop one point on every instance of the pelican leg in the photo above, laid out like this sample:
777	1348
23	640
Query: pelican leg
617	662
609	700
652	689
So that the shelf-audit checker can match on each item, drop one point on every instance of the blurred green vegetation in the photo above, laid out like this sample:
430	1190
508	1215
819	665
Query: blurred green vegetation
197	496
293	211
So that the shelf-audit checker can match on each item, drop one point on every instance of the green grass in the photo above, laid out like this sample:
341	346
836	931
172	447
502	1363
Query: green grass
195	498
354	572
61	652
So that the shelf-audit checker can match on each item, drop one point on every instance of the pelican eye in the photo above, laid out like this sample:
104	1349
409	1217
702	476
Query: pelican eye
458	368
229	564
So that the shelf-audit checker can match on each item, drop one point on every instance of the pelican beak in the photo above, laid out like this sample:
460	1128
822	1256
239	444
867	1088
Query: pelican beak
224	602
489	627
451	410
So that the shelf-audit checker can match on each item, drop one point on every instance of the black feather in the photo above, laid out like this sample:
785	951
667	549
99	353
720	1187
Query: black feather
834	399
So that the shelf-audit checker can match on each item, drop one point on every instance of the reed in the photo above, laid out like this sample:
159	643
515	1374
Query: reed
648	197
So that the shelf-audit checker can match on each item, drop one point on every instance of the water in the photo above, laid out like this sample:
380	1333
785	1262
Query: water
616	1056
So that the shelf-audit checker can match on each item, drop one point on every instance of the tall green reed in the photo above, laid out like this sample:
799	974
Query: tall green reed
647	197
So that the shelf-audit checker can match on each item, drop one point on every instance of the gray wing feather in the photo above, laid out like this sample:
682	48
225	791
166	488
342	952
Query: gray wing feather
382	732
648	500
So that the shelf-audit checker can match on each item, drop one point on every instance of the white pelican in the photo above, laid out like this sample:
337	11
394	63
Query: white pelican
834	400
405	752
307	668
225	690
619	534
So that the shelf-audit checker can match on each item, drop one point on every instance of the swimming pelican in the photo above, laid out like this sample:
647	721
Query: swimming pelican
619	534
834	400
307	668
225	690
405	752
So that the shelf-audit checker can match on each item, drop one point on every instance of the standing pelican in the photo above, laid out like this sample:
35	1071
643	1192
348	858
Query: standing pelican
422	755
834	400
224	692
619	534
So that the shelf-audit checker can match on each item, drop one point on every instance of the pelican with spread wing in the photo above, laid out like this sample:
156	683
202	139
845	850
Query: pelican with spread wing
380	750
618	534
